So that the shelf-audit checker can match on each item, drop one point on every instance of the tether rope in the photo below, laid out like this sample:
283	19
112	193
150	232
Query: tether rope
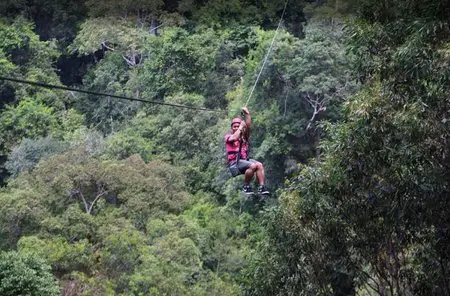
267	55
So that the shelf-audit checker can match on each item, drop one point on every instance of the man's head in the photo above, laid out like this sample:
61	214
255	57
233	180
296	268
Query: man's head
235	123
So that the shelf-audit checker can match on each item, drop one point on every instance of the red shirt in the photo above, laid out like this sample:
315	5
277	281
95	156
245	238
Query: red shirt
232	148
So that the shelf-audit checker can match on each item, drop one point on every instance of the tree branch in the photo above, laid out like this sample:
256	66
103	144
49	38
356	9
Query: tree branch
129	61
95	200
106	46
317	105
86	206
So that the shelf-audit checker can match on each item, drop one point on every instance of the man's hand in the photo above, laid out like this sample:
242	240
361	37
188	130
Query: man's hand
245	110
242	125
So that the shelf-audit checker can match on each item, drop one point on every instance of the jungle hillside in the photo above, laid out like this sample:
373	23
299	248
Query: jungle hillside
113	168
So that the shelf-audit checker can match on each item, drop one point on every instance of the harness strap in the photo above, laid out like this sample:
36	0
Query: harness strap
239	153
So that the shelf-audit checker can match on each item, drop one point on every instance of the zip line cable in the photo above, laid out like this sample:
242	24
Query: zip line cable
40	84
268	53
45	85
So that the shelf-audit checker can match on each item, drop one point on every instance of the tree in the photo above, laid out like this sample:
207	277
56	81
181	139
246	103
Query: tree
53	19
122	251
263	13
139	9
109	76
178	62
64	256
25	274
319	71
356	219
25	156
171	134
109	34
30	118
20	212
23	47
27	57
229	65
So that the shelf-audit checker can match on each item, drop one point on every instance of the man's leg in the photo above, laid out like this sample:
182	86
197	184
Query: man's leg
249	168
255	166
246	168
260	176
248	175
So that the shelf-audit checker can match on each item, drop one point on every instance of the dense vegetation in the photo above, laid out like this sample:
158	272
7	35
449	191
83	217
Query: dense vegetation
102	196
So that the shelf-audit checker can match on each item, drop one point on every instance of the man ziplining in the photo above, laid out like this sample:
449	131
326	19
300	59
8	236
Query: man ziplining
236	145
236	140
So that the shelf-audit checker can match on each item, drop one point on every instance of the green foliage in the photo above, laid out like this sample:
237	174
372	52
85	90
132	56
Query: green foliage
404	51
226	12
6	67
73	224
122	251
29	119
139	202
53	19
20	211
84	285
128	8
178	62
409	11
161	190
62	255
9	7
130	141
221	250
37	112
25	156
32	58
178	131
107	113
355	220
173	134
78	177
221	13
23	47
109	33
192	247
11	37
86	233
332	11
25	274
23	54
229	65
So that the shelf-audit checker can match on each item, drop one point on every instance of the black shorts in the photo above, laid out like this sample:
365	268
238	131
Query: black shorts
243	165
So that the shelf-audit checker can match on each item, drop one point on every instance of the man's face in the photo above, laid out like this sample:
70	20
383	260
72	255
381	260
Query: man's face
235	126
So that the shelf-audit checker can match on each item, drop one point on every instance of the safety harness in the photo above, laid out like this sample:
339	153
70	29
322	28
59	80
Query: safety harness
233	167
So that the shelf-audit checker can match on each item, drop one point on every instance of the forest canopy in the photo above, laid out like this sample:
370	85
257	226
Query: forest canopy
101	195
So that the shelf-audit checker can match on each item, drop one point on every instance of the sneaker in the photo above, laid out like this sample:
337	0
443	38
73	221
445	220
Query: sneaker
263	190
247	190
